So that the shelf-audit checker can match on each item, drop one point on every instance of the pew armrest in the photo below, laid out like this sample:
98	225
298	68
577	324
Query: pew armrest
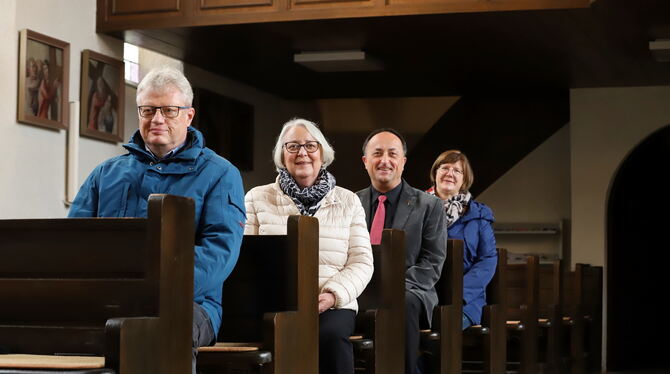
132	345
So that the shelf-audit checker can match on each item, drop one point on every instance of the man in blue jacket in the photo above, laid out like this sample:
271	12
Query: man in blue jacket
166	155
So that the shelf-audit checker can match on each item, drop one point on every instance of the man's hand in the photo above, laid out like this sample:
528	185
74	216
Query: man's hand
326	301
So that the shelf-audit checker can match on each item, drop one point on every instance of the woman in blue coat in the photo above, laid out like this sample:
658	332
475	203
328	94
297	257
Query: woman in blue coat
471	222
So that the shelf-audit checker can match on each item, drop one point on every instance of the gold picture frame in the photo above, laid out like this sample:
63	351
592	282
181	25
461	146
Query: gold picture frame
44	66
102	97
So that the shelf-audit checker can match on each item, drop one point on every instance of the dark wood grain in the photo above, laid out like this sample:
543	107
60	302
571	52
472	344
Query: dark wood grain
270	298
122	288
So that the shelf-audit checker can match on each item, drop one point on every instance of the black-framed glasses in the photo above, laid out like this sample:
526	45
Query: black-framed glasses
294	147
168	111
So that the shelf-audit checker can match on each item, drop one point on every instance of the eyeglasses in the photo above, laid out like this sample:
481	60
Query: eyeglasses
454	171
294	147
168	111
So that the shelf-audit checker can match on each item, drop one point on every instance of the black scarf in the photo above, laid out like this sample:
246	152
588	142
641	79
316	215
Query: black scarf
307	199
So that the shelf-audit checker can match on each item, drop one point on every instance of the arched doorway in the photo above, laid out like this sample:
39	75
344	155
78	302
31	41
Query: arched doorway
638	259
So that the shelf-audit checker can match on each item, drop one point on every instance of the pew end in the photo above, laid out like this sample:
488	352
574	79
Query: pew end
441	346
382	310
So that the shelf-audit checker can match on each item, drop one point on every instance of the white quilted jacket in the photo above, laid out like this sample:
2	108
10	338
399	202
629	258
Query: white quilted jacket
345	255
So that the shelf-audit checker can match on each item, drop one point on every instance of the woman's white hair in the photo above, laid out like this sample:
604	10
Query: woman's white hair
327	151
160	78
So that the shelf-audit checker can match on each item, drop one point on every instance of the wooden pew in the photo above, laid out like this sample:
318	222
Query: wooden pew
582	306
442	344
573	354
550	313
270	316
522	288
118	289
594	309
381	317
490	338
592	282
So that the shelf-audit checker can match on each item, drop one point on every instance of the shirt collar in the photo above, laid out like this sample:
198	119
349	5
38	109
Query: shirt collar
392	196
167	155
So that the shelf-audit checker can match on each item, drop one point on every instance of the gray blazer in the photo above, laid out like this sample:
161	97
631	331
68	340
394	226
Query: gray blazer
422	218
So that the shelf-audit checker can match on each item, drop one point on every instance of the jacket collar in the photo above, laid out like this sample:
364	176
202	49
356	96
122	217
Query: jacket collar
193	146
406	204
365	195
477	211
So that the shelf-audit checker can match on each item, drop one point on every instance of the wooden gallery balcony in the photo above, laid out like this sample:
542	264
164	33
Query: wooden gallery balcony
121	15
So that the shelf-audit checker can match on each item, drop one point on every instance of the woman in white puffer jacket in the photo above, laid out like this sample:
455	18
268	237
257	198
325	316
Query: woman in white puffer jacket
303	186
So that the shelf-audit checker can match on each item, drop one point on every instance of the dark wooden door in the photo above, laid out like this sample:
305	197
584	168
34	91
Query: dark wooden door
638	254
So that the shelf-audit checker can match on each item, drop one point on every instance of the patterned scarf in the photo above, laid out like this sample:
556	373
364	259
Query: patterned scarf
307	199
454	206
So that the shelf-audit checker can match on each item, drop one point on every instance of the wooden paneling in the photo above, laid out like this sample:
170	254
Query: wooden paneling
449	6
330	3
213	4
120	15
63	299
45	340
212	9
121	7
110	255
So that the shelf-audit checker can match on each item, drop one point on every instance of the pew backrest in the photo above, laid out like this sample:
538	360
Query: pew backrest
382	304
63	280
271	296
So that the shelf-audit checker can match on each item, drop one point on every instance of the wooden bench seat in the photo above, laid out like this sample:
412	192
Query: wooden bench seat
27	361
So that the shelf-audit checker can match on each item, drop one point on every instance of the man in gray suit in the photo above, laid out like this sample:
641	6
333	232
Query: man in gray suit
422	218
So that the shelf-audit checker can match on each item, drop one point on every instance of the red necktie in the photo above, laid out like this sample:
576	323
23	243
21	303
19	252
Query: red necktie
378	222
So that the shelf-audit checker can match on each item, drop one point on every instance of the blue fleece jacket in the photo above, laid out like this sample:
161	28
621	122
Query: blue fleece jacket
120	187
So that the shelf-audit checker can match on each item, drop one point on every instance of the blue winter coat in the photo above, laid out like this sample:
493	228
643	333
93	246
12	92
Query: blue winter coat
120	187
479	256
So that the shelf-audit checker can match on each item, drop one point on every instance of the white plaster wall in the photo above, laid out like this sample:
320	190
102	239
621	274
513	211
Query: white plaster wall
535	190
32	161
606	124
32	166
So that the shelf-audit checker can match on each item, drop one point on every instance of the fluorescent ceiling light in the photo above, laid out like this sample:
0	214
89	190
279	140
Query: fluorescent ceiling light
660	49
338	61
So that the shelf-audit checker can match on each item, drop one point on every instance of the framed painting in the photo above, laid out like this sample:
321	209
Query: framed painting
102	97
44	65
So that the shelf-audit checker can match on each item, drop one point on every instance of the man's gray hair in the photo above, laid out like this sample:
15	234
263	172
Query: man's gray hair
160	78
327	151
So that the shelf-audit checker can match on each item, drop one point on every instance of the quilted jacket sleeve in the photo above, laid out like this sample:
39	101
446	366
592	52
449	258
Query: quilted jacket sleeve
350	282
251	226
